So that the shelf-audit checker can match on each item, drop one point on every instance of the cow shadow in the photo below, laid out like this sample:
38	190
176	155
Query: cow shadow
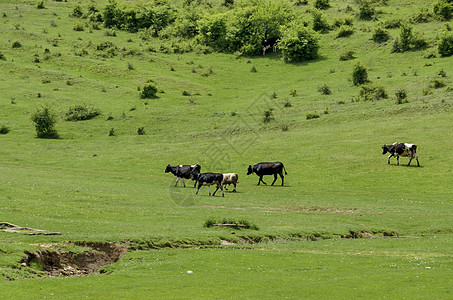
410	166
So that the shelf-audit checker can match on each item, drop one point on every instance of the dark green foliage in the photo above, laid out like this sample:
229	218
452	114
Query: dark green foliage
213	31
380	35
369	92
148	91
141	131
81	113
287	103
107	49
347	55
359	74
401	96
112	132
16	44
253	69
78	27
4	129
366	10
422	16
2	56
77	11
321	4
299	43
268	115
320	23
45	121
40	4
406	37
230	223
324	89
443	9
310	116
437	83
445	45
408	40
345	31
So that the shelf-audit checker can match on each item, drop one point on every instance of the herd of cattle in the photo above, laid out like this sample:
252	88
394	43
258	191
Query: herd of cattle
266	168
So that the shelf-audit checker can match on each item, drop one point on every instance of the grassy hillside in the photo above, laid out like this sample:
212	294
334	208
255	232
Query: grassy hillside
91	186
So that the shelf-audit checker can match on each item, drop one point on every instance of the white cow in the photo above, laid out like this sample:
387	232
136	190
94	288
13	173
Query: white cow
230	178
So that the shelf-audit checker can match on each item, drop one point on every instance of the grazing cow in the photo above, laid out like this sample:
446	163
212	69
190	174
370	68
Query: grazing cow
230	178
272	42
209	179
267	168
401	149
184	171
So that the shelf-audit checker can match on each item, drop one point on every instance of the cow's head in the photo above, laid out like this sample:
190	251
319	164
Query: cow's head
168	169
385	149
250	170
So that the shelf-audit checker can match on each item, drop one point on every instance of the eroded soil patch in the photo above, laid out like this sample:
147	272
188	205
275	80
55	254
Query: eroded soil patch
61	263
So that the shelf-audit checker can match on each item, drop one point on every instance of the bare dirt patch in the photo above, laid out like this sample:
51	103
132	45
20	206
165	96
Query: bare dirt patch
60	263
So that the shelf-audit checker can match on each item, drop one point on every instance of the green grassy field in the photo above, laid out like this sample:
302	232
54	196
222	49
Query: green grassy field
90	186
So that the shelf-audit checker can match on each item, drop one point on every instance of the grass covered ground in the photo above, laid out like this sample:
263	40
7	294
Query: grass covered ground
94	187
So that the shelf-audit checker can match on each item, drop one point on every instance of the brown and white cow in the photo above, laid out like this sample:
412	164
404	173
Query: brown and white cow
230	178
401	149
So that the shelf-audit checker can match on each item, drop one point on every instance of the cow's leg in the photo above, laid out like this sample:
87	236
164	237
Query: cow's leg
234	190
209	190
397	160
195	184
225	187
183	183
217	188
281	175
261	180
177	179
199	186
418	164
223	194
388	161
275	179
410	159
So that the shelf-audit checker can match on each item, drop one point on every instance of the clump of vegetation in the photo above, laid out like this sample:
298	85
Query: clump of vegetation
359	74
445	45
299	43
287	103
4	129
293	92
45	121
408	40
78	27
347	55
268	115
345	31
324	89
81	113
366	10
422	16
321	4
253	69
320	23
437	83
112	132
40	4
2	56
230	223
141	131
16	44
149	90
77	11
443	9
310	116
401	96
380	35
369	92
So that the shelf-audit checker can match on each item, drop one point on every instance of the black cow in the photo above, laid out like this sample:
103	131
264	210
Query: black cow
267	168
272	42
401	149
184	171
209	179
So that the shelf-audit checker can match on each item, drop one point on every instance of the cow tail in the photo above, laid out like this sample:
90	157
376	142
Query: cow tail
284	169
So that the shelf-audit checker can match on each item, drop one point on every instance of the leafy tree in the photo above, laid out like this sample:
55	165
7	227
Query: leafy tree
359	74
45	121
299	43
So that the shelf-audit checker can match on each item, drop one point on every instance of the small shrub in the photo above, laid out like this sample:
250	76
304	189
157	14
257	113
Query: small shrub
310	116
274	95
2	56
45	121
148	91
16	44
230	223
141	131
40	4
268	115
78	27
287	103
406	37
345	31
359	75
443	9
437	83
442	73
293	93
401	96
81	113
427	92
320	23
285	127
186	93
324	89
347	55
366	10
380	35
253	69
130	66
77	11
4	129
112	132
445	46
368	92
321	4
422	16
45	80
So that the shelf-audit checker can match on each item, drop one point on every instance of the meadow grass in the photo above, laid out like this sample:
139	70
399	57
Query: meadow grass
94	187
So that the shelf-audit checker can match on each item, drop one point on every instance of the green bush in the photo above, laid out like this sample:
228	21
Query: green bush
310	116
2	56
81	113
321	4
45	121
324	89
299	43
141	131
443	9
422	16
345	31
4	129
366	10
406	37
380	35
369	92
78	27
16	44
77	11
347	55
268	115
401	96
40	4
359	74
148	91
445	45
320	23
